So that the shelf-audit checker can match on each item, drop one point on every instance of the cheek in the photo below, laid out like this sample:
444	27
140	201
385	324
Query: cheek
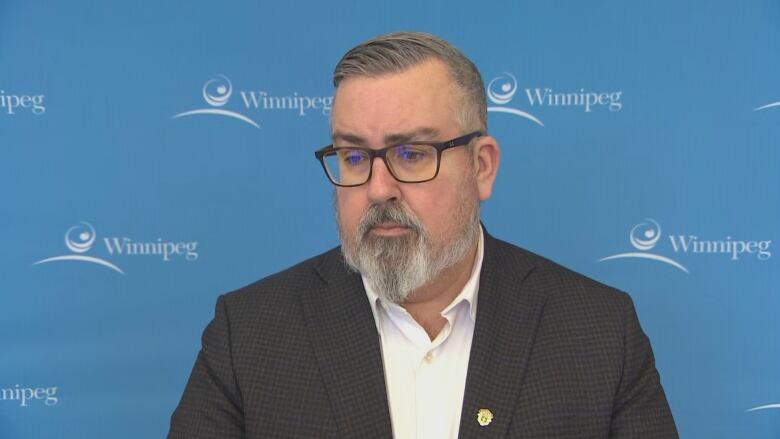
435	207
442	207
350	208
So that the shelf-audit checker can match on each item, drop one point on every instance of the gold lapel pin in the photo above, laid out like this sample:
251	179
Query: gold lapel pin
484	417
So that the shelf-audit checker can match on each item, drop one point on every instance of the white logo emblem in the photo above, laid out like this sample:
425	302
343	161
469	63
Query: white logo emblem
217	92
79	240
500	91
644	236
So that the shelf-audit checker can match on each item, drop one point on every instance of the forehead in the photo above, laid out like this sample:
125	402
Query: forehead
372	107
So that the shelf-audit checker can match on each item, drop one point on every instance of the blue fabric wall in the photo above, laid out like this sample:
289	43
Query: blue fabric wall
640	147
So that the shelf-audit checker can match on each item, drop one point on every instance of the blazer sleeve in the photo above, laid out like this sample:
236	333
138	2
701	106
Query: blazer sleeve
211	406
640	409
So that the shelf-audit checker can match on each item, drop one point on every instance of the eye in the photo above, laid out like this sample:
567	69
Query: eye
353	157
410	153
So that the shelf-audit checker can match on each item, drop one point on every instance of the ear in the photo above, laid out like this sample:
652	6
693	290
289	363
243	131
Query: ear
487	156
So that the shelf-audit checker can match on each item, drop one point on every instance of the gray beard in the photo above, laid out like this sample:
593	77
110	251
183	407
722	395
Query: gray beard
397	265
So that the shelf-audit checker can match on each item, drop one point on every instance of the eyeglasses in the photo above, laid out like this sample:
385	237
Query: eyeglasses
411	162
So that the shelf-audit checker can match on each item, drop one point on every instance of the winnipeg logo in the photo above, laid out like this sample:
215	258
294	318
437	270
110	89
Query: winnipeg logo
644	236
500	91
79	240
216	93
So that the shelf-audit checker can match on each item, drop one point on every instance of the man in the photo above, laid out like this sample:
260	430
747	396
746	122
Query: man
421	325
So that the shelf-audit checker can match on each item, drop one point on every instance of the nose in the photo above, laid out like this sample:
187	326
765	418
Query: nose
382	186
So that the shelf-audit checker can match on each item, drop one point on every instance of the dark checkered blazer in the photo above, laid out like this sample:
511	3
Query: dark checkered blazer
297	355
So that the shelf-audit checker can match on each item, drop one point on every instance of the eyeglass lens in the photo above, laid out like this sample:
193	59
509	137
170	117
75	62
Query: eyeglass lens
407	163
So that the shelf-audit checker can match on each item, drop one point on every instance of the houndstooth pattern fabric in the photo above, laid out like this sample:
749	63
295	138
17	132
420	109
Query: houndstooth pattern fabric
296	355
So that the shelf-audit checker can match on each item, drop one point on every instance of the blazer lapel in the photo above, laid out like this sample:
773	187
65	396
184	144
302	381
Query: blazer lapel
346	344
507	317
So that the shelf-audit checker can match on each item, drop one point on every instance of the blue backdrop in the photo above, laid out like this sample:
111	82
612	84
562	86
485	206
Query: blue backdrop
141	146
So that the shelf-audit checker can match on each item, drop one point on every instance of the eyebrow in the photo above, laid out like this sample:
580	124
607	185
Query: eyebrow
417	134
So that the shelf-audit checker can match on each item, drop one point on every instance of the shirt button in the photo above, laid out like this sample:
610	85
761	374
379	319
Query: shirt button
428	357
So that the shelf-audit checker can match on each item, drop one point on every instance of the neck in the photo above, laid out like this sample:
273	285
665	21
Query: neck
426	303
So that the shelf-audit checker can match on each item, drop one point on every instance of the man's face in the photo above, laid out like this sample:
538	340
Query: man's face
401	221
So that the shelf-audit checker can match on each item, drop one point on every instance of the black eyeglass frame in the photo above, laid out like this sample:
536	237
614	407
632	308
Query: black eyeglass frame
382	152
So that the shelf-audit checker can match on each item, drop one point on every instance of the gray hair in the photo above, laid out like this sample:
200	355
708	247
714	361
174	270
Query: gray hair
398	51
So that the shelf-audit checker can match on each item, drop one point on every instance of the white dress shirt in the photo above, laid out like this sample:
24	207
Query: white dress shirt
426	379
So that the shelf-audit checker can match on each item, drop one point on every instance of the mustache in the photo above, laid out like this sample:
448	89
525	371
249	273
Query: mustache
388	213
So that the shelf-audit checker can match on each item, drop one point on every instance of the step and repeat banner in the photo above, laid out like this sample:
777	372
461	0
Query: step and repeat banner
154	155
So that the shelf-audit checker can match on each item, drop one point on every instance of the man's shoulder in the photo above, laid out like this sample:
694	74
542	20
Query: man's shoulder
555	282
289	283
573	307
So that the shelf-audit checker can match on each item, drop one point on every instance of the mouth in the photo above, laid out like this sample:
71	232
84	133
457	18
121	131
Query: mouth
389	229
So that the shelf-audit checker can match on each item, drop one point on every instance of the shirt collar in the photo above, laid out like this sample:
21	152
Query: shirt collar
467	294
